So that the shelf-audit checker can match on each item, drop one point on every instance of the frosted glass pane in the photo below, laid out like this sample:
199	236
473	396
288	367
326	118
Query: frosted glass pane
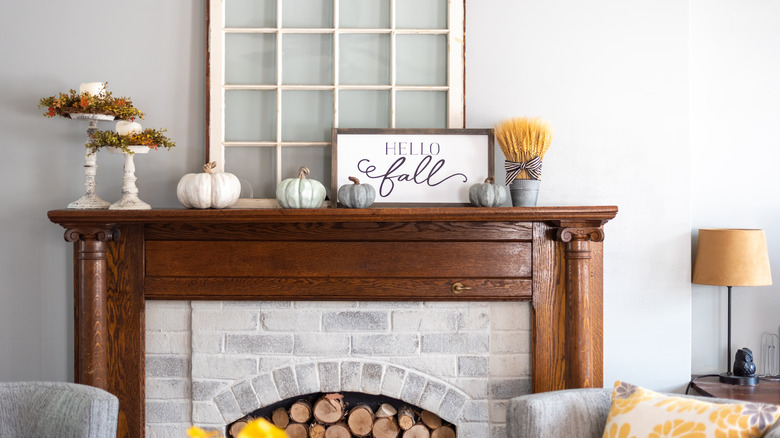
250	13
255	166
250	58
364	59
307	59
421	14
250	115
364	14
307	13
307	115
421	60
317	159
364	109
421	109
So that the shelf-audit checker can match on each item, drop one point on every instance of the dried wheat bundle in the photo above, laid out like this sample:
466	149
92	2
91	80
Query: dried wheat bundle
524	142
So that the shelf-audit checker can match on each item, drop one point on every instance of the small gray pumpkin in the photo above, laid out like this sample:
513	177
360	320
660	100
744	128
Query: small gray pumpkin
356	195
487	194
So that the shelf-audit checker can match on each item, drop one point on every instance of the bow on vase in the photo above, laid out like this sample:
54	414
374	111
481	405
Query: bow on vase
532	167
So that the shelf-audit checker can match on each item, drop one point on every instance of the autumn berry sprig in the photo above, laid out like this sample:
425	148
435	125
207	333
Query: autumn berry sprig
73	102
153	138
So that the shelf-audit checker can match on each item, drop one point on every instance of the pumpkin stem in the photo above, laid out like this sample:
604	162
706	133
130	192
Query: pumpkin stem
354	180
302	172
490	180
208	167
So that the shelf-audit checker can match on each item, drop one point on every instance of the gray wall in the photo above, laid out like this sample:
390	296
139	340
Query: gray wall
621	82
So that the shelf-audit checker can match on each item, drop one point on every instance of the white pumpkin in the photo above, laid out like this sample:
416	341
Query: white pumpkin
300	192
209	189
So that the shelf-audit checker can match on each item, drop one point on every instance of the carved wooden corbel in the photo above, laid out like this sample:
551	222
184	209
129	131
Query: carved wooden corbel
91	280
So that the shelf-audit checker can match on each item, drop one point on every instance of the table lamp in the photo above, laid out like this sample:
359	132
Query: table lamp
732	257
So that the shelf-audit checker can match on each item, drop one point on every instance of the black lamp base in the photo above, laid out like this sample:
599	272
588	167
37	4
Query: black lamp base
731	379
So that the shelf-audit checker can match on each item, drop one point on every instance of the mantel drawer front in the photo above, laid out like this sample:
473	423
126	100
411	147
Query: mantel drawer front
338	259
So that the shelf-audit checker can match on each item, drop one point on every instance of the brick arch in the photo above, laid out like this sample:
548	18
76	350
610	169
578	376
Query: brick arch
356	375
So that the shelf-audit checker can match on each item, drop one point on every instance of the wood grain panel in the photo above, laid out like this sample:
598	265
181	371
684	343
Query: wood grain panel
344	231
346	289
127	324
597	311
338	259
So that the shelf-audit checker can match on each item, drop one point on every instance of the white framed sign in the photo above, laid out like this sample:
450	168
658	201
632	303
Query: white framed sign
413	166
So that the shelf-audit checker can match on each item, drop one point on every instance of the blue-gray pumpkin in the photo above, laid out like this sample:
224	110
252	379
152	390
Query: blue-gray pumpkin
356	195
300	192
487	194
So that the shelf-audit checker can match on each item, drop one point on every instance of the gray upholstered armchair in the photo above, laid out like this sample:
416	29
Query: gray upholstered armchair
56	409
572	413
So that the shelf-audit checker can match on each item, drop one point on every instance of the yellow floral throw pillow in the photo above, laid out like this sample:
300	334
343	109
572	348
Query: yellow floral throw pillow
638	412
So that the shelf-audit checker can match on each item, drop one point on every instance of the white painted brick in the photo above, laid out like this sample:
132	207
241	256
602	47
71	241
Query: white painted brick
510	342
350	375
473	366
259	344
167	388
432	396
245	396
426	320
504	389
168	342
286	385
474	430
290	320
205	412
455	343
207	305
452	406
476	410
307	378
206	390
386	344
258	305
206	342
498	431
166	430
475	388
435	365
510	365
498	411
224	320
228	406
223	367
170	411
324	304
474	318
265	388
321	344
389	304
167	319
510	315
329	373
269	363
393	381
355	320
371	378
167	366
413	386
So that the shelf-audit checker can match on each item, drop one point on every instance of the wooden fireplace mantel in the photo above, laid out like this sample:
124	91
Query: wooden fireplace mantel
551	256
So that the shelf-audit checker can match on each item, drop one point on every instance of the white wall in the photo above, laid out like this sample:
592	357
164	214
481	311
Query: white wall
612	76
735	107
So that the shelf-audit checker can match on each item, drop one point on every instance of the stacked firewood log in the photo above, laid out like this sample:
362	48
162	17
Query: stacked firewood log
328	416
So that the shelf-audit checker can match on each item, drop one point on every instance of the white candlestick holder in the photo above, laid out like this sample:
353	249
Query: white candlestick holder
90	200
130	200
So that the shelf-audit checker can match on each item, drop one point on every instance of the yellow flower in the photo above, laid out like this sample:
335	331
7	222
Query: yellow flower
196	432
679	429
622	432
261	428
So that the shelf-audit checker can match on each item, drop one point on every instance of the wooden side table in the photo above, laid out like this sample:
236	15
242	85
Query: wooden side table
767	391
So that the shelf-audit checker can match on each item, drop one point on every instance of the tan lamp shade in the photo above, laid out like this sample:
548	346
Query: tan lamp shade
732	257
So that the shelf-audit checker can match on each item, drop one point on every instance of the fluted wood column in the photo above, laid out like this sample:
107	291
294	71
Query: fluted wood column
91	303
579	329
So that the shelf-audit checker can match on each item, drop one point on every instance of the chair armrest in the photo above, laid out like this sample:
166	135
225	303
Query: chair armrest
573	413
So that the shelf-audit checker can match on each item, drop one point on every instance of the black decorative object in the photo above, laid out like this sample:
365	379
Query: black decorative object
743	363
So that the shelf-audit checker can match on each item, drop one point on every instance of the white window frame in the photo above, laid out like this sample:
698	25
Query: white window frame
216	73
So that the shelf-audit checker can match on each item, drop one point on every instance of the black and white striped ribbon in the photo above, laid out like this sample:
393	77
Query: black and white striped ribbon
533	167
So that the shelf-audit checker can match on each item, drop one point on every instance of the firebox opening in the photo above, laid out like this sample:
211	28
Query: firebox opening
347	414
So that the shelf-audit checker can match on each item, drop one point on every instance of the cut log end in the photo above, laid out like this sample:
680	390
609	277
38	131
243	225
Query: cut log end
360	420
385	427
296	430
443	432
419	430
430	419
280	418
338	430
329	409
